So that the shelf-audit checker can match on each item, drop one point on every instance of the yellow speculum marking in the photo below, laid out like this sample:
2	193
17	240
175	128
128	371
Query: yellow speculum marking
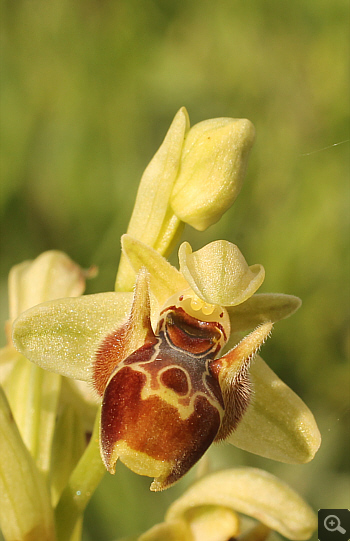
172	398
198	305
200	309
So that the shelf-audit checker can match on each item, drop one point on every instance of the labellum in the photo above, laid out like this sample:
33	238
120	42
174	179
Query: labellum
167	400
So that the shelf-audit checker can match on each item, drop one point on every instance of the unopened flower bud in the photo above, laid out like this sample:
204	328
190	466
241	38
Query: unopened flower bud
212	168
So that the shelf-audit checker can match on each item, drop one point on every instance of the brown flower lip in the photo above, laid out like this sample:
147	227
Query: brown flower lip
162	402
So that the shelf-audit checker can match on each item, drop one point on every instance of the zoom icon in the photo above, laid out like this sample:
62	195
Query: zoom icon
334	525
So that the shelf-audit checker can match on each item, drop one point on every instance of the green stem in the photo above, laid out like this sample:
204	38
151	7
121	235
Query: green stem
45	401
81	486
68	446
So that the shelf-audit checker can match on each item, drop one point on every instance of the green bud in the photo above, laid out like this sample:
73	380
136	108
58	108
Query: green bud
50	276
194	177
212	168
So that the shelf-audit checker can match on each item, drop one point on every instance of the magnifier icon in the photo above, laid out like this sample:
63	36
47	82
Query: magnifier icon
332	524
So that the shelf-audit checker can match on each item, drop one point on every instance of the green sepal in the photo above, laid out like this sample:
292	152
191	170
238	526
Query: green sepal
63	335
277	424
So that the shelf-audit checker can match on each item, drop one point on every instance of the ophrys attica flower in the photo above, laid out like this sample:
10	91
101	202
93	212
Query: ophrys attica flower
155	359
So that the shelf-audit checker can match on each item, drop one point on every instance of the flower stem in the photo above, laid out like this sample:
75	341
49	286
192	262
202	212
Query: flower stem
81	486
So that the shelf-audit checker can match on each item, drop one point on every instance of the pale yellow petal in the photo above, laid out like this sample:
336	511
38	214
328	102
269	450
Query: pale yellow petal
176	530
219	274
213	523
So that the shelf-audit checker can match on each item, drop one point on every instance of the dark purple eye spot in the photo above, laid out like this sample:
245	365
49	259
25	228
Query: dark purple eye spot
181	298
175	379
222	314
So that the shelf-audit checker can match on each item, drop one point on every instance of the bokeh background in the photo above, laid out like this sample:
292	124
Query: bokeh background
88	90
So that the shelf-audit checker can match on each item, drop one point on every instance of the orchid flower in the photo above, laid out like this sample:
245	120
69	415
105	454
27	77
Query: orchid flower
171	357
154	357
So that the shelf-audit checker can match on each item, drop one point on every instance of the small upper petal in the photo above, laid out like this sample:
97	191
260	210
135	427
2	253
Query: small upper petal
219	274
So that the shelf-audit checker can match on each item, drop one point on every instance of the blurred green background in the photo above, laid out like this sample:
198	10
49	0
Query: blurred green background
88	90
